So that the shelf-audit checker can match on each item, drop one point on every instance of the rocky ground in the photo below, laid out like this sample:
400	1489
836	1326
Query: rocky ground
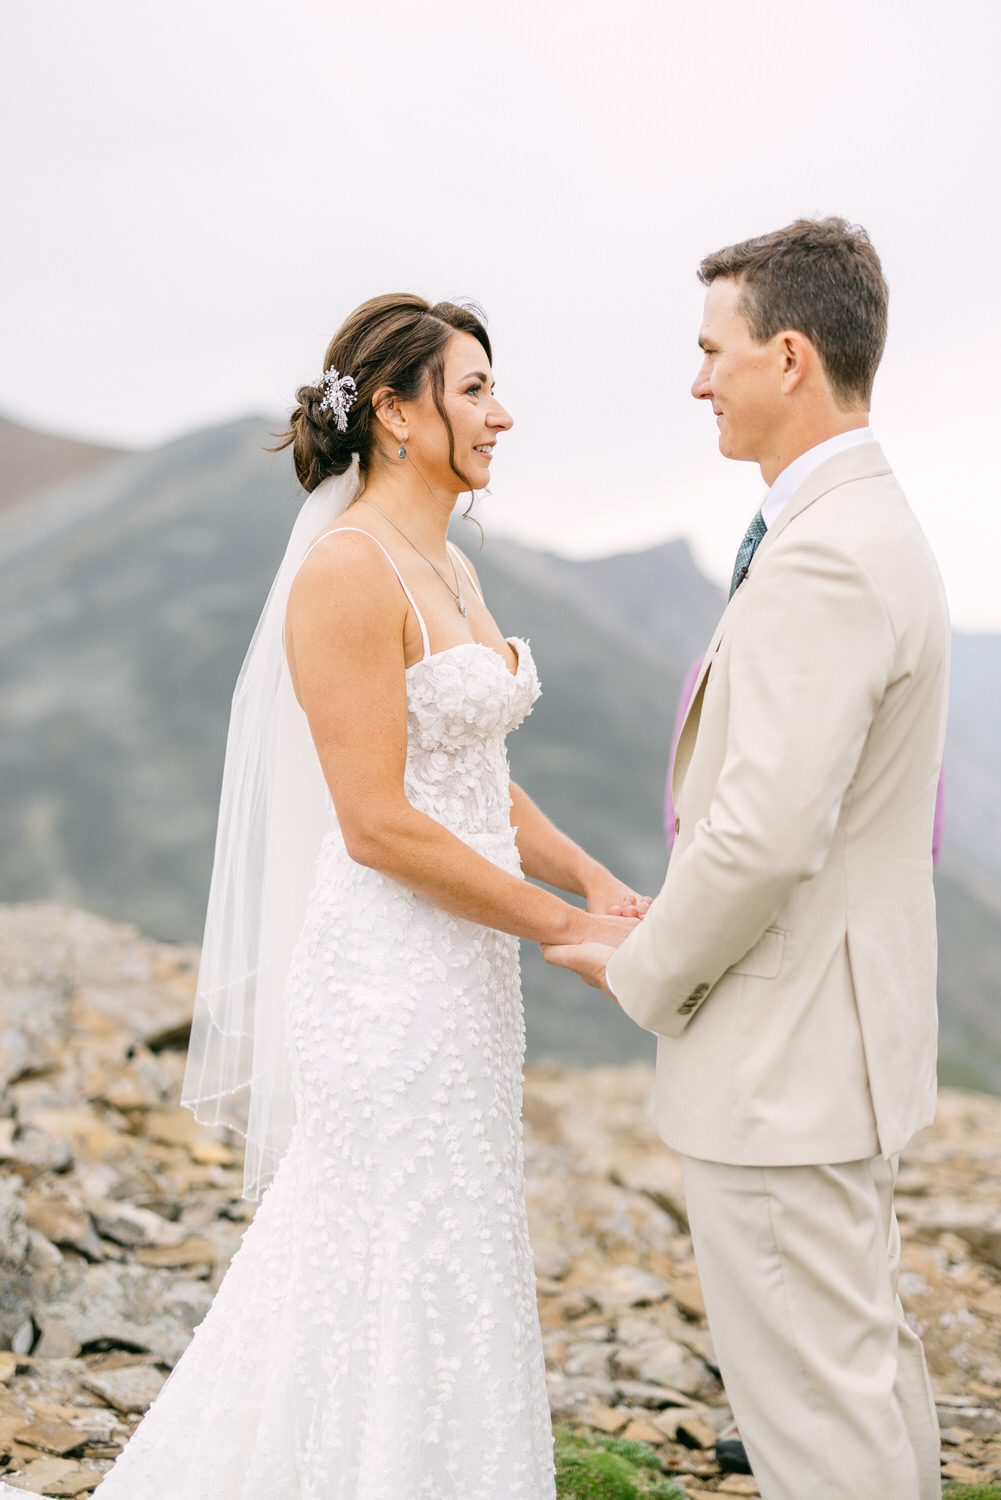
118	1215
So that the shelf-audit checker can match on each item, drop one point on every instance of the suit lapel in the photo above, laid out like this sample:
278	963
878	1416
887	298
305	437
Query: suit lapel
866	461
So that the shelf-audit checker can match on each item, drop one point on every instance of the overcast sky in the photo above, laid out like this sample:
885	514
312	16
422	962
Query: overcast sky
198	193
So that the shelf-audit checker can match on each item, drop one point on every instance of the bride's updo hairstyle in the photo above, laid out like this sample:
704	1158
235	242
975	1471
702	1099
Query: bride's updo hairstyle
395	342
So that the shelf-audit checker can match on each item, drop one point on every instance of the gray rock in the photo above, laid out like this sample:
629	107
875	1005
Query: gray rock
665	1362
569	1396
641	1393
552	1262
15	1274
42	1254
51	1435
660	1178
14	1238
573	1303
130	1226
594	1333
19	1055
62	1221
131	1389
188	1301
34	999
718	1417
127	1306
977	1225
56	1476
631	1329
34	1152
589	1359
55	1341
628	1286
23	1338
982	1421
699	1341
690	1429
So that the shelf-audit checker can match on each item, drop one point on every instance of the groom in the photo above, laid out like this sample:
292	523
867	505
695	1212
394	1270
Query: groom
788	963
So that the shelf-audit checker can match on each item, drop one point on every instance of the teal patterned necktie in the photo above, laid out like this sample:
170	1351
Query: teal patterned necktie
748	547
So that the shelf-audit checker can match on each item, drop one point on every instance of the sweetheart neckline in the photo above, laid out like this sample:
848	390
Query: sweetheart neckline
478	646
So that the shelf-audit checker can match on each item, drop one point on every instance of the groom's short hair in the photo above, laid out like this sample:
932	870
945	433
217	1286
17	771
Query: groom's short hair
823	278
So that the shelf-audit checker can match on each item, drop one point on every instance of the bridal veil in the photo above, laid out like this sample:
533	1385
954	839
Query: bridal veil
273	815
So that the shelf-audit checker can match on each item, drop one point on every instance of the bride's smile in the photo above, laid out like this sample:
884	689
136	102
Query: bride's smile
451	435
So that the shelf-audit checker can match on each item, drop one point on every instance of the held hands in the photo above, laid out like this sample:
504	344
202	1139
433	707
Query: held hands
614	912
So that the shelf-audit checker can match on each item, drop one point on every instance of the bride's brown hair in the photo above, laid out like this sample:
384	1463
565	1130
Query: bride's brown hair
395	342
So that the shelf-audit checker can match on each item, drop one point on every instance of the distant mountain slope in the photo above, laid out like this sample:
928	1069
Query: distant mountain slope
969	925
128	596
31	460
128	601
973	753
655	602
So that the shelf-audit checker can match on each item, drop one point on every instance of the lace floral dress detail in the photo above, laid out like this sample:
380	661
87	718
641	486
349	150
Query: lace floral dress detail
376	1336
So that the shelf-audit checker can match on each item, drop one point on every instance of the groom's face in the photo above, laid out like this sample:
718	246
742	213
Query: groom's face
739	376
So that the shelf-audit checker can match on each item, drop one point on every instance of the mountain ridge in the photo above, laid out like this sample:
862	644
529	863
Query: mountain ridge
30	460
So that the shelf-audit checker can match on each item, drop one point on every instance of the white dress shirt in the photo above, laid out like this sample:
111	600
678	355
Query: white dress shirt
796	473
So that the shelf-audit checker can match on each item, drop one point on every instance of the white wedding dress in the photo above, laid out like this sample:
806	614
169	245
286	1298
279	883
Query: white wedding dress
376	1336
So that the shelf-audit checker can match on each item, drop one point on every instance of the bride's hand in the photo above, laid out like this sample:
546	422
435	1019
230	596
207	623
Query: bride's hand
594	941
610	929
613	898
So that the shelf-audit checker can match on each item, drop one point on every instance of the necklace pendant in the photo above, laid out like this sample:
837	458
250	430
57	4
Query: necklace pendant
460	606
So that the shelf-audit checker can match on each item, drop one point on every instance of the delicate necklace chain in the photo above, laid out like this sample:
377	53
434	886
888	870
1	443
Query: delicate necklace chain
455	592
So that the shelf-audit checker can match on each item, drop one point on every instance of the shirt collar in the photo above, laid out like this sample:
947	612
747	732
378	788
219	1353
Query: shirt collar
796	473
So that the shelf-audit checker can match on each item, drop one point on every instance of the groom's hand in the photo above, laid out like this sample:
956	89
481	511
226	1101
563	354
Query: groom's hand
587	960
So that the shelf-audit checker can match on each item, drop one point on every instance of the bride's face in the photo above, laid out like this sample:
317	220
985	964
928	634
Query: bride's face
474	413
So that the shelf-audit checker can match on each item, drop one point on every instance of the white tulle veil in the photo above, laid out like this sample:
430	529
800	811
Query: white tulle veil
273	815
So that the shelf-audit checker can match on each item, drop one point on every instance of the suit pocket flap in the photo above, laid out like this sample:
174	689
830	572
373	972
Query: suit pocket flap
764	960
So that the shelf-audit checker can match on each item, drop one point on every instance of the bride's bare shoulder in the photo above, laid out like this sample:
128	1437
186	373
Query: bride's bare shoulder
347	556
346	583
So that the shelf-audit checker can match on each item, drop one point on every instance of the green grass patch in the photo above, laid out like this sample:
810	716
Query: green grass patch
971	1492
590	1466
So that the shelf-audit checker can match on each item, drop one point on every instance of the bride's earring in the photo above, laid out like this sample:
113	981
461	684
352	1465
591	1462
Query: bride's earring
402	453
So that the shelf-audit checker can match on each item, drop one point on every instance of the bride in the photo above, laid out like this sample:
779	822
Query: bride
359	1014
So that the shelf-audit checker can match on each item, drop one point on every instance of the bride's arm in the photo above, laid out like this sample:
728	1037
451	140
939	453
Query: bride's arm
344	636
549	854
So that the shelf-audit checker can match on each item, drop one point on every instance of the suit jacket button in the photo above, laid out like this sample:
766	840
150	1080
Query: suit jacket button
677	827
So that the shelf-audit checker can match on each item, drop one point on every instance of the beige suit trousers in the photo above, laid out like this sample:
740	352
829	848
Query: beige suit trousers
799	1268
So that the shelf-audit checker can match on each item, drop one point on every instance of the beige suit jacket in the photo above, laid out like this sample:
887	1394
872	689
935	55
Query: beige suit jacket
789	962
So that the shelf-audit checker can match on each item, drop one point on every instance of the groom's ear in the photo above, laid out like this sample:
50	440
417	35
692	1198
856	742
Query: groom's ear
796	355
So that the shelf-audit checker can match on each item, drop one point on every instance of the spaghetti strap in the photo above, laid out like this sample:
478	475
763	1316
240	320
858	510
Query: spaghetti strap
363	532
466	569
